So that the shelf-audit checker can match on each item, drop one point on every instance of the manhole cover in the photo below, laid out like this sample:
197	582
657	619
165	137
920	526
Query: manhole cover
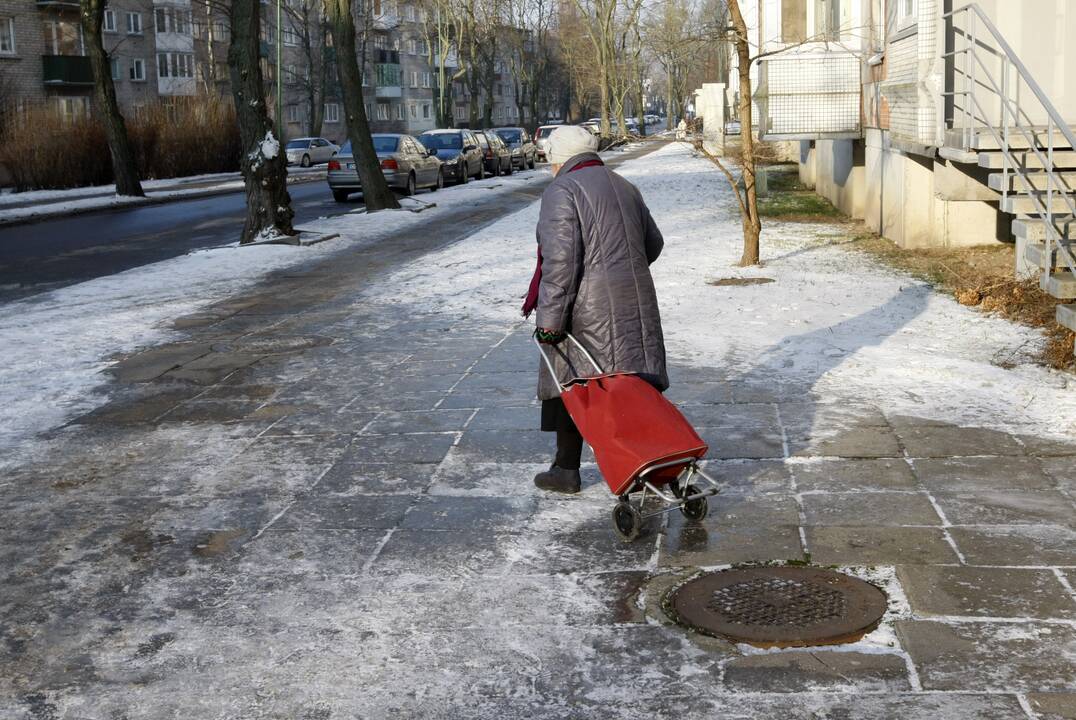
273	345
779	606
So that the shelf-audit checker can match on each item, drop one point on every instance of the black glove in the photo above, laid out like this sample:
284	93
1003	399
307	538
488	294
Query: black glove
549	337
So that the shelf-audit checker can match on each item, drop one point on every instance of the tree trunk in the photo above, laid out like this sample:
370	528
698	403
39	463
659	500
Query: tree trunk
264	164
375	191
124	167
752	224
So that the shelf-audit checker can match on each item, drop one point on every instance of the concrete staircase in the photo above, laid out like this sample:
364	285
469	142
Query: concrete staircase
1024	195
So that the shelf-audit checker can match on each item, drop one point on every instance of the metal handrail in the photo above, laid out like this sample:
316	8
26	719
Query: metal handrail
1013	117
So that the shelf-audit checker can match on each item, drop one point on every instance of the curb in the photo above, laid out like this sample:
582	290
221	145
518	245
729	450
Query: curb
135	202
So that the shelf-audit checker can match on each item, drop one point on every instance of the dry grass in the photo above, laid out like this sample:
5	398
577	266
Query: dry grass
43	152
981	277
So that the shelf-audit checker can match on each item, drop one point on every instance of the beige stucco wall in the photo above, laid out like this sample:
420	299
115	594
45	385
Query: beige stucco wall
1041	33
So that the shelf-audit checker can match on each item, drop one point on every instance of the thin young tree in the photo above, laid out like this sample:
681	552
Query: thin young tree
375	191
264	165
124	166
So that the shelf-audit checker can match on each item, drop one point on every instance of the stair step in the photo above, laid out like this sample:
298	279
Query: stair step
1037	180
1064	160
983	139
1061	285
1066	316
1033	229
1035	254
1026	205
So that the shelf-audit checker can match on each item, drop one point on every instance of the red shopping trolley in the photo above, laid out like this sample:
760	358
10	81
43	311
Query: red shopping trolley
642	443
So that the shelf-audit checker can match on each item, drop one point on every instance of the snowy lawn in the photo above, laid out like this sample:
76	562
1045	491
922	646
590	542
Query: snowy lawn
59	342
833	322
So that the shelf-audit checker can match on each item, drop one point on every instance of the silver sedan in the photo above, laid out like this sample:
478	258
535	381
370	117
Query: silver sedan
406	164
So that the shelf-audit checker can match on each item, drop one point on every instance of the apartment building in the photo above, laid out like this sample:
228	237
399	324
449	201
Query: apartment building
164	49
938	123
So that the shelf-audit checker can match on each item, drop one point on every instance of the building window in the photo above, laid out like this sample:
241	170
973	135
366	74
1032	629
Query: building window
382	111
63	37
366	77
176	65
425	111
907	13
293	113
134	23
117	71
827	18
73	108
409	12
7	36
109	22
138	70
332	113
220	30
414	78
425	80
461	112
172	20
412	110
291	38
400	112
290	74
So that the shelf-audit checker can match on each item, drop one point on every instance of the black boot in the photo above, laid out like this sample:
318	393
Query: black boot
557	479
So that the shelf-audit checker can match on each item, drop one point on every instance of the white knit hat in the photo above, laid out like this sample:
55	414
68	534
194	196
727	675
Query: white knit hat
567	141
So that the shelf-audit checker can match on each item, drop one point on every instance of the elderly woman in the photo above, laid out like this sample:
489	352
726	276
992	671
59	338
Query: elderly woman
596	240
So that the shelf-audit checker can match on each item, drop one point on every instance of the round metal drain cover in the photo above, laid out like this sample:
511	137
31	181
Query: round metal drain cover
779	606
273	345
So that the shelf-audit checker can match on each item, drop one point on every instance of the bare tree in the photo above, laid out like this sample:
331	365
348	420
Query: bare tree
307	21
264	164
375	191
124	166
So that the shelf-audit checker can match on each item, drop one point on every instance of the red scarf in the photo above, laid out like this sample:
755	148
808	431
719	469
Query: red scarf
531	301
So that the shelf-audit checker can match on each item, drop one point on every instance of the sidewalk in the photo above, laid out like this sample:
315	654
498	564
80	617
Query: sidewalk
318	503
16	208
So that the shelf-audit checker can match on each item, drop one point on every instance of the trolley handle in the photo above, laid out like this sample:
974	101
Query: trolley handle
549	363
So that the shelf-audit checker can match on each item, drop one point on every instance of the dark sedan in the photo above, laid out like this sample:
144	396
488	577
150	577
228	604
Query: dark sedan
498	156
459	151
518	140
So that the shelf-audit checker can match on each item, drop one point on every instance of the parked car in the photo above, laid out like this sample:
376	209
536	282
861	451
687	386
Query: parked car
498	157
732	127
541	140
459	151
592	127
519	142
406	164
310	151
632	125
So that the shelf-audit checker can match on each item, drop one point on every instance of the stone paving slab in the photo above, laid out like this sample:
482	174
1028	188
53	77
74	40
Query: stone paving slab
986	592
817	670
836	545
1053	706
985	656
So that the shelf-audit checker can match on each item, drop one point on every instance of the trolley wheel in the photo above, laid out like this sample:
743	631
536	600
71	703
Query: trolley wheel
694	509
627	521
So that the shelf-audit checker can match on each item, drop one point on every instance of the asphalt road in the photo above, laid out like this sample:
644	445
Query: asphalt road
44	255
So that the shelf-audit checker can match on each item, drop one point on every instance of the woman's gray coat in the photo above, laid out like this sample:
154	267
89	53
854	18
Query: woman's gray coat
598	240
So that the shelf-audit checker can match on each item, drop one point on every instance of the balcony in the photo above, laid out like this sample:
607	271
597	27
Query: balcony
809	95
67	70
389	80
